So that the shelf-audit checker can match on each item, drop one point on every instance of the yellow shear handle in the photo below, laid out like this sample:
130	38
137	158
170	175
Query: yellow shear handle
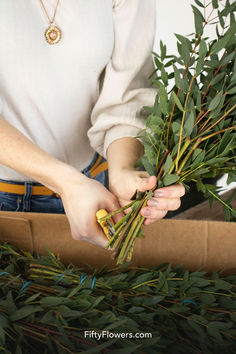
106	225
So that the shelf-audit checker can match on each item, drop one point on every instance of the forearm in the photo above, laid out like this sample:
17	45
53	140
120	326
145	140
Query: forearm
123	153
20	154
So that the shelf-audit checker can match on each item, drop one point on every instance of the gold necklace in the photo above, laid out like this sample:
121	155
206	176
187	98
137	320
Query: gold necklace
52	33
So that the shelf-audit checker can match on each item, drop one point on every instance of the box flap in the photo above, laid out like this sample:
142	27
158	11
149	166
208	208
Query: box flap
16	231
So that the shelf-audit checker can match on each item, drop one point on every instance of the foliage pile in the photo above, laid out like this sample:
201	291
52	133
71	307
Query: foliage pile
46	307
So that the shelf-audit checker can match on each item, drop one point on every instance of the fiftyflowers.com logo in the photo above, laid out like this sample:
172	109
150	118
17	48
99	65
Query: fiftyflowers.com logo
110	335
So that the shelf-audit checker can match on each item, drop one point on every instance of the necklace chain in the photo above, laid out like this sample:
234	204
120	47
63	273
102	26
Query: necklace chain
55	11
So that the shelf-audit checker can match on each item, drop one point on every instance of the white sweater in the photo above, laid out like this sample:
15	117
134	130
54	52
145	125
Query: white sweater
80	94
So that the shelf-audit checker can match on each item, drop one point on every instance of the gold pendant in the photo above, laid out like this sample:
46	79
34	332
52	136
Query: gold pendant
53	34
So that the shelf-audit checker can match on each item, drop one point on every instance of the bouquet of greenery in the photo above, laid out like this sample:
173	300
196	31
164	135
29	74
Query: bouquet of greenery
190	131
47	307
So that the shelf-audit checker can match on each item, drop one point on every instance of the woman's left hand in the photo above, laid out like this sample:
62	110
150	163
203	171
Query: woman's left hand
124	183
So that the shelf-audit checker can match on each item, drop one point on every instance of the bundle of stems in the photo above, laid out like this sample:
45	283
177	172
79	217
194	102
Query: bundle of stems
190	131
47	307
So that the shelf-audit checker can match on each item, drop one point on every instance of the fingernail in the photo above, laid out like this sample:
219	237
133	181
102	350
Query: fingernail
153	202
158	194
147	212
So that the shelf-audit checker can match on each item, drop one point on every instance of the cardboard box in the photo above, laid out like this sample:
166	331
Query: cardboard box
197	244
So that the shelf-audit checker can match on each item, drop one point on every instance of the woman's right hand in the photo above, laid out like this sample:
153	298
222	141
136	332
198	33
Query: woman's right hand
82	198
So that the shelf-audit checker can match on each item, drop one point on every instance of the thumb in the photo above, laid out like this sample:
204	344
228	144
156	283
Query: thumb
146	183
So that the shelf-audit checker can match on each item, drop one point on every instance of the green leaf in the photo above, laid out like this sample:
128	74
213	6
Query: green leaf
151	301
228	58
170	179
202	49
136	309
52	301
196	153
217	79
232	30
25	312
198	160
207	299
175	126
225	141
2	336
162	91
233	317
220	44
3	321
168	163
214	332
177	76
189	123
215	4
232	91
196	327
198	20
216	101
158	63
148	166
115	325
179	308
202	54
164	76
222	285
200	282
177	101
199	3
32	298
184	52
163	50
215	160
220	325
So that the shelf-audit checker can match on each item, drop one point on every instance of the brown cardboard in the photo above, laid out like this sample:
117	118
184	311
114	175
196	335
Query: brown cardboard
209	245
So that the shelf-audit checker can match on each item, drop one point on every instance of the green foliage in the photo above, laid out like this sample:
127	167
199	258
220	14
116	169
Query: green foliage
201	104
190	131
174	305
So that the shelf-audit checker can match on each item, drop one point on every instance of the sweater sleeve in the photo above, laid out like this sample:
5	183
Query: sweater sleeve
126	87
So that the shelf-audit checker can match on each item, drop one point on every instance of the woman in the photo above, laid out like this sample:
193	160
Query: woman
68	92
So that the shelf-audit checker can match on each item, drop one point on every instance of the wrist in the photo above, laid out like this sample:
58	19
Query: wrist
123	154
62	177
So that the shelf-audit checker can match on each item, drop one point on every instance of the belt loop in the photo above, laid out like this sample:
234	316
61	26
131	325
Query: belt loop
27	196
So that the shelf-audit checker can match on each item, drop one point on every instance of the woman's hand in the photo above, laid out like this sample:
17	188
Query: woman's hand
125	182
82	198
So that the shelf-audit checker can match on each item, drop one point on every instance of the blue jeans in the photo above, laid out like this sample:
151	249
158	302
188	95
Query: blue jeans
42	203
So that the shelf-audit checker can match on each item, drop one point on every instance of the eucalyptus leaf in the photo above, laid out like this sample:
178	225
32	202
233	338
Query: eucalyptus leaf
220	44
170	179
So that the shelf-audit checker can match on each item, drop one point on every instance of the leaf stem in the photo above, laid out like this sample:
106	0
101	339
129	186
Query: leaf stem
182	123
199	140
220	200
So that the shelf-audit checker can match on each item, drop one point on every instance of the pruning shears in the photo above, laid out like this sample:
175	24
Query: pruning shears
106	225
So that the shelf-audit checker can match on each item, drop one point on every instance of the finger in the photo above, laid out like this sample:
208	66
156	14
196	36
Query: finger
97	237
149	221
146	183
175	191
124	203
164	203
112	205
151	213
97	240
